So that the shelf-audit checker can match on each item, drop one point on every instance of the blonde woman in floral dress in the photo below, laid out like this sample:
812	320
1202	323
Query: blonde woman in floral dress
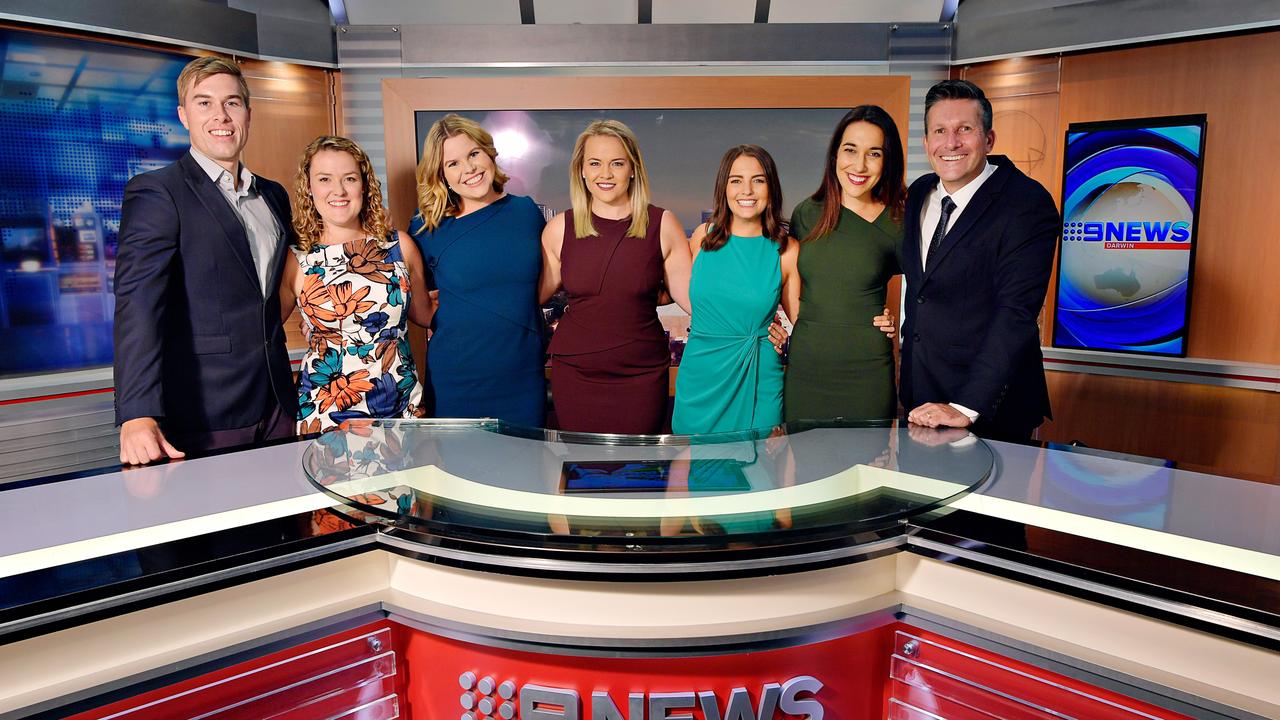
357	282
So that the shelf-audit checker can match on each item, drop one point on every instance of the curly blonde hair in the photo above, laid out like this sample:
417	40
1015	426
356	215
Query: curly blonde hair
307	222
580	196
435	199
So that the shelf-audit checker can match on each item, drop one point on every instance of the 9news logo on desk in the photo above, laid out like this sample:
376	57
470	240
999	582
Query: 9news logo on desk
835	678
486	697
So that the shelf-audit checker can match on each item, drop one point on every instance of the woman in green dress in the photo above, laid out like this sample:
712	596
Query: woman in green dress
841	357
744	264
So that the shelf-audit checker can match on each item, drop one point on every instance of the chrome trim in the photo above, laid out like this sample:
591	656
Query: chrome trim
1138	688
1197	371
643	568
221	658
35	386
1158	362
645	647
172	42
645	63
993	691
1200	33
22	387
1211	617
158	591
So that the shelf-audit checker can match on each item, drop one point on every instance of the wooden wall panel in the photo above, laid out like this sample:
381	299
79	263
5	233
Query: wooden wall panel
291	105
1026	128
1024	104
1235	308
1230	431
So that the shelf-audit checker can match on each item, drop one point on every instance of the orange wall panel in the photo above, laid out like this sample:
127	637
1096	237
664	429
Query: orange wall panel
1235	310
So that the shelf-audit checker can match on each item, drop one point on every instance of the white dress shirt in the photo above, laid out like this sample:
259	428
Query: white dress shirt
260	224
933	208
929	217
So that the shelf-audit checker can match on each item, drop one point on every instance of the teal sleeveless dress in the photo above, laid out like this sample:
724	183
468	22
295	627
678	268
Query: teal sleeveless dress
730	377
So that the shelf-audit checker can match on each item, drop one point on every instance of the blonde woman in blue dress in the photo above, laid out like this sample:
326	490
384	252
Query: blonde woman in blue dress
744	265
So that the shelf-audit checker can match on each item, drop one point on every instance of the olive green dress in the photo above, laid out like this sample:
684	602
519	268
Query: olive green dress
840	365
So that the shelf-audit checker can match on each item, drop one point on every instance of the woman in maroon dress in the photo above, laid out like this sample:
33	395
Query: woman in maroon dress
614	253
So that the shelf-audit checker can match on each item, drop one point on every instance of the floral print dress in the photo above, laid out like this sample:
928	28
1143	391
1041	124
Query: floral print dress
355	311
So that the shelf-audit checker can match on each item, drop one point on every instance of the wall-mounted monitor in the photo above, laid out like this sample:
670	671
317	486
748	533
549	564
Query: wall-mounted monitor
1130	202
77	119
682	148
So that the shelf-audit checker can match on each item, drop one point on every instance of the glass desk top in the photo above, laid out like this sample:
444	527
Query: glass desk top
485	481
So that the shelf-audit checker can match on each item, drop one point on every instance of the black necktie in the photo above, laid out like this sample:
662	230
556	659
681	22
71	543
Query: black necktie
941	231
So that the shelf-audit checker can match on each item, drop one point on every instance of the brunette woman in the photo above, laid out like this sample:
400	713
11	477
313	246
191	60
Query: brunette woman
850	231
744	263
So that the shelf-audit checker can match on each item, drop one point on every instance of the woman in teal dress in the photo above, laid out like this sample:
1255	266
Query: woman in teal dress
850	231
744	264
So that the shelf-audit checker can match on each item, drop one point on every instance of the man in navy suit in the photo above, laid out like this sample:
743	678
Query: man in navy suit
200	359
977	252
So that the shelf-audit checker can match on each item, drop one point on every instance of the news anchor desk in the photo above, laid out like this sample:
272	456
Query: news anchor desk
467	570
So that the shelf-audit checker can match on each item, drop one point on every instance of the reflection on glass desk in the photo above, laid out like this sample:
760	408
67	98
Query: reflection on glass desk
519	486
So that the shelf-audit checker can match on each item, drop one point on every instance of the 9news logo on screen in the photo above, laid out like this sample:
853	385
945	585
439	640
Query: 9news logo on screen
1130	201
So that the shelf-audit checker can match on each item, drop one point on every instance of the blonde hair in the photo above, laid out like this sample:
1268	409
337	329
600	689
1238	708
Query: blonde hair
435	199
307	222
638	189
205	67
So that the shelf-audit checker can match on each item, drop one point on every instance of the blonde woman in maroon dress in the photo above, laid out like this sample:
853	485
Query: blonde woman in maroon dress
614	253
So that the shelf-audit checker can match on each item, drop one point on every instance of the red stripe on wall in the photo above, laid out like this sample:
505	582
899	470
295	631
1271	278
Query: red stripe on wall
57	396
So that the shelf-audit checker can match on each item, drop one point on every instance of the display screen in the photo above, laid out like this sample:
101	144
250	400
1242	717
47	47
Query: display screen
1131	192
704	475
77	120
681	149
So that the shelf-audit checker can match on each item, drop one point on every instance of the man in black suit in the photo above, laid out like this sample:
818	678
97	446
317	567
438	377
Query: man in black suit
200	359
978	248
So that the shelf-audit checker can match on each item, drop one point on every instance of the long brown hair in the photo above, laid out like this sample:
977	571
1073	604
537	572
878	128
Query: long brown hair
435	199
307	222
638	189
722	217
891	189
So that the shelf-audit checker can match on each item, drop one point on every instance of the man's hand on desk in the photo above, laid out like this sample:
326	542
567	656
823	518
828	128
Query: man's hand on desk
142	442
933	415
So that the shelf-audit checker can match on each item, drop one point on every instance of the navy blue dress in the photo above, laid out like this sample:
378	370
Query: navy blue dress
485	355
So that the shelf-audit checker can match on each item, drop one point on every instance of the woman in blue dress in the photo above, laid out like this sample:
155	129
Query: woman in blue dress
483	248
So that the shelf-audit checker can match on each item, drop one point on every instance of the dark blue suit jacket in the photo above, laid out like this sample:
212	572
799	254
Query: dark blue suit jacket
197	346
971	335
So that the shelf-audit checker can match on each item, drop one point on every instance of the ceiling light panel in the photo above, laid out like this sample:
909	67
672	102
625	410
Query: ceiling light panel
433	12
586	12
852	11
704	11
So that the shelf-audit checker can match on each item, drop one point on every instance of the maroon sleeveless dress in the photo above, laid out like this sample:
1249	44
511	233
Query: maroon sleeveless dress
609	355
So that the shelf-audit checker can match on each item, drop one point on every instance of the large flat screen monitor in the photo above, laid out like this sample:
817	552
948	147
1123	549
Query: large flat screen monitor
682	148
1130	202
77	119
